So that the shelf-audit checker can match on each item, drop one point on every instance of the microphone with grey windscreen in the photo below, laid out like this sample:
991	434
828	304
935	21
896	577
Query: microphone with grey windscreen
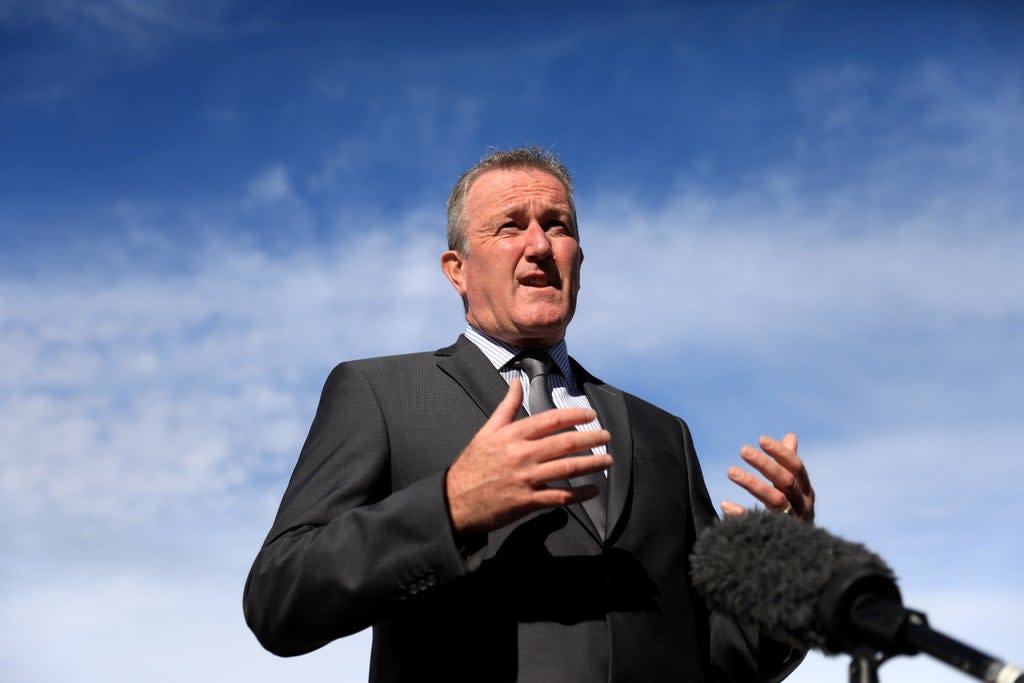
810	589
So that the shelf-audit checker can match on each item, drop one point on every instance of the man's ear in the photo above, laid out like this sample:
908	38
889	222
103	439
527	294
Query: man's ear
451	266
579	267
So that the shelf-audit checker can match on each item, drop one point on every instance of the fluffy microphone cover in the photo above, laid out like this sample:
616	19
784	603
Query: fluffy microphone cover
769	570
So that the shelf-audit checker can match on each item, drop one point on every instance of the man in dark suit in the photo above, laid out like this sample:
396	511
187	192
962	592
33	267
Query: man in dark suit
484	543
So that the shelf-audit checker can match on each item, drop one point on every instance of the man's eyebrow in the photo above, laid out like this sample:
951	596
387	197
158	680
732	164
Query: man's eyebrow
553	212
519	208
515	209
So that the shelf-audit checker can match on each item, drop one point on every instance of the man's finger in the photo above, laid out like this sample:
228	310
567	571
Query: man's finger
769	495
557	496
791	441
731	508
779	450
784	452
552	421
569	442
776	473
570	467
506	411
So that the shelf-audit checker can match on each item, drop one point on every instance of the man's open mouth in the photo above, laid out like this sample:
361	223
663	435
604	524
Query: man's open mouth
538	280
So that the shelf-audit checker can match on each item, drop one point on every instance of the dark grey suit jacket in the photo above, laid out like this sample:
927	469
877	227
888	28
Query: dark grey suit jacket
363	538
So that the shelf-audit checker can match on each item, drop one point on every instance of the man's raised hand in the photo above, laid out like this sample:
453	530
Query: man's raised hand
504	472
788	487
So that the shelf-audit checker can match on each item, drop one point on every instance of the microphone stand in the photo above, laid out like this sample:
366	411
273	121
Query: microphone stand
862	612
864	664
896	630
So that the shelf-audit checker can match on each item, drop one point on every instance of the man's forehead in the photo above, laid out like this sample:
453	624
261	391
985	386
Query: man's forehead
504	189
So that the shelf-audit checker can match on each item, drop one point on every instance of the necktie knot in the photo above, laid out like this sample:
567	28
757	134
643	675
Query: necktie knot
535	364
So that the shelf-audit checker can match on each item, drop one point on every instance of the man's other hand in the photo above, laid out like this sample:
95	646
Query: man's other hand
504	472
788	488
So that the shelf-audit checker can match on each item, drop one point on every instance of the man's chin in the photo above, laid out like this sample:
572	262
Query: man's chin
542	331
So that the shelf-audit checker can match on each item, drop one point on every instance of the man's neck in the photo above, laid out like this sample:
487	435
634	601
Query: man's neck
515	346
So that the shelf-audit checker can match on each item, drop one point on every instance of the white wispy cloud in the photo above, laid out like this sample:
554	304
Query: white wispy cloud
131	23
140	390
271	186
424	115
713	272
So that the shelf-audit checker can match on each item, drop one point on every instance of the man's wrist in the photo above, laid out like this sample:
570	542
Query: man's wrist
466	543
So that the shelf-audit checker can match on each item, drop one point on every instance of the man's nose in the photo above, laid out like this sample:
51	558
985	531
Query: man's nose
538	244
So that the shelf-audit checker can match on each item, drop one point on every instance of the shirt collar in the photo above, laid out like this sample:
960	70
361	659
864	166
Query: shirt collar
500	353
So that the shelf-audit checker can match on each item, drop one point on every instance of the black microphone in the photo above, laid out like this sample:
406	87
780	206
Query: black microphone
810	589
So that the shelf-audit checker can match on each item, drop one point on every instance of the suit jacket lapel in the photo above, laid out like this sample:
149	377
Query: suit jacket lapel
467	365
610	404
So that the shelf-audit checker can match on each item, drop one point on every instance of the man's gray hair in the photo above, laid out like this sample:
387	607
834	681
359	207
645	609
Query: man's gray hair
522	157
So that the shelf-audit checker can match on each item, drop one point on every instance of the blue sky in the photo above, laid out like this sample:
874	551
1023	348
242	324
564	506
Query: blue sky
796	216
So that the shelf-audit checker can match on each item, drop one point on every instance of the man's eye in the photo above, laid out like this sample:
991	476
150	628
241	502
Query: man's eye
511	225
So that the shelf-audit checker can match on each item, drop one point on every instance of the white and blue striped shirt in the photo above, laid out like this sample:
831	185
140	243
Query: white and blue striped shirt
564	391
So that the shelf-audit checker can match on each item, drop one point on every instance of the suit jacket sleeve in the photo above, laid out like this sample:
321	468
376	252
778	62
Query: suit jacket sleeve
737	652
345	551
